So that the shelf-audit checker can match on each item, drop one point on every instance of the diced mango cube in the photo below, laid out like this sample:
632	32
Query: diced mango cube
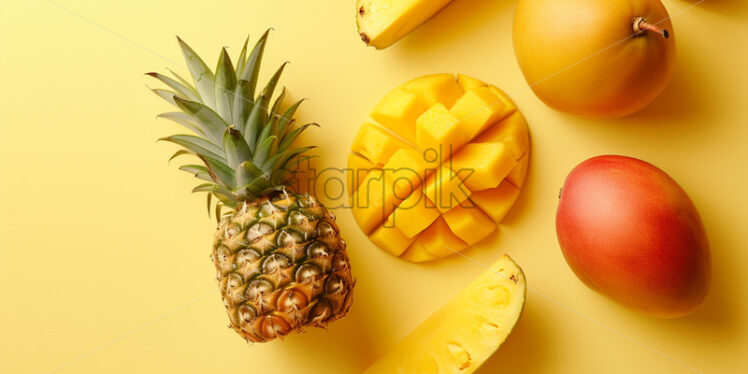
483	165
398	112
414	214
390	239
407	169
519	173
358	168
496	202
375	143
373	201
417	253
438	240
510	106
468	83
436	88
445	189
478	109
469	224
437	130
511	131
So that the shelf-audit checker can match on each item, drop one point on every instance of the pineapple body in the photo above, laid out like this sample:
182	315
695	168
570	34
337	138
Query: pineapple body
281	265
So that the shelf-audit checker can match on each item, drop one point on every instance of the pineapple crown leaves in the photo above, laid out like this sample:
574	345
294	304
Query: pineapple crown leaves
245	144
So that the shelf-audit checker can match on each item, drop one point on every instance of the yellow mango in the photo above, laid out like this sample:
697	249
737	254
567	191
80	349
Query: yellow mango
373	201
437	130
438	240
467	83
445	189
407	169
414	214
512	131
478	109
417	253
398	111
483	165
358	168
435	88
496	202
519	173
510	106
375	143
469	223
390	239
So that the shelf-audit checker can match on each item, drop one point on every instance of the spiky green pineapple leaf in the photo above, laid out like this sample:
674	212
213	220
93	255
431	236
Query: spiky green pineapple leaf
179	153
183	119
210	122
184	82
242	104
242	58
251	69
223	194
201	74
224	87
267	92
286	119
235	148
276	109
176	86
220	172
294	134
246	173
254	124
166	95
196	145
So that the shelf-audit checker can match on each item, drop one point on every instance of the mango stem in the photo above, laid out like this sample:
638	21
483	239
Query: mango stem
641	26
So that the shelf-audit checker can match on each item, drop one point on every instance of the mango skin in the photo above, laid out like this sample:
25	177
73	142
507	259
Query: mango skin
630	232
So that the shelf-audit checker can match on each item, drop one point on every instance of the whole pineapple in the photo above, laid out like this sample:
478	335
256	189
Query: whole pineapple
281	263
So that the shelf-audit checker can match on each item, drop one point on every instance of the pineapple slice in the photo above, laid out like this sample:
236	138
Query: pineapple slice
420	195
478	109
383	22
469	83
398	111
375	143
390	239
435	89
469	223
496	202
439	241
518	175
487	163
511	131
465	332
414	214
437	130
445	189
358	168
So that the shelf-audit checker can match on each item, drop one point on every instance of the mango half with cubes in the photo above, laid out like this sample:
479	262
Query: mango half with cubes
465	332
438	166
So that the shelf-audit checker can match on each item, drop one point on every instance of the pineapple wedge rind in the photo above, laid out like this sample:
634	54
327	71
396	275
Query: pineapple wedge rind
465	332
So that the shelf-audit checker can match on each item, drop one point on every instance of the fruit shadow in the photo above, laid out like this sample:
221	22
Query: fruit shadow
453	24
524	350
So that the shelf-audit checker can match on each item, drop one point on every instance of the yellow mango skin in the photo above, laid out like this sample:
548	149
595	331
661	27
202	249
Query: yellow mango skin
414	214
512	131
469	223
398	111
496	202
383	22
390	239
464	333
518	175
483	165
435	89
439	241
437	130
468	83
445	189
478	109
593	67
358	168
375	143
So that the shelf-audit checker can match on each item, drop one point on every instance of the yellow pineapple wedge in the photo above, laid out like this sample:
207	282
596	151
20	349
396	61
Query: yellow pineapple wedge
465	332
383	22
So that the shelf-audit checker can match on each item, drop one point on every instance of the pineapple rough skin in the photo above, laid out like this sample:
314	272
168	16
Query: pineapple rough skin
281	265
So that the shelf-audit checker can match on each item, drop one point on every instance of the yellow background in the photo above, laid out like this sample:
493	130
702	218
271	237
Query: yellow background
99	235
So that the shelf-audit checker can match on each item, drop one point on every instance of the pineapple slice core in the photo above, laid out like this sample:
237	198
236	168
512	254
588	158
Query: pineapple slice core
440	168
465	332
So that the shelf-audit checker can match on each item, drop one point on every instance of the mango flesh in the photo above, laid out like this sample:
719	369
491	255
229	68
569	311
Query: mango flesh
630	232
425	191
460	336
383	22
